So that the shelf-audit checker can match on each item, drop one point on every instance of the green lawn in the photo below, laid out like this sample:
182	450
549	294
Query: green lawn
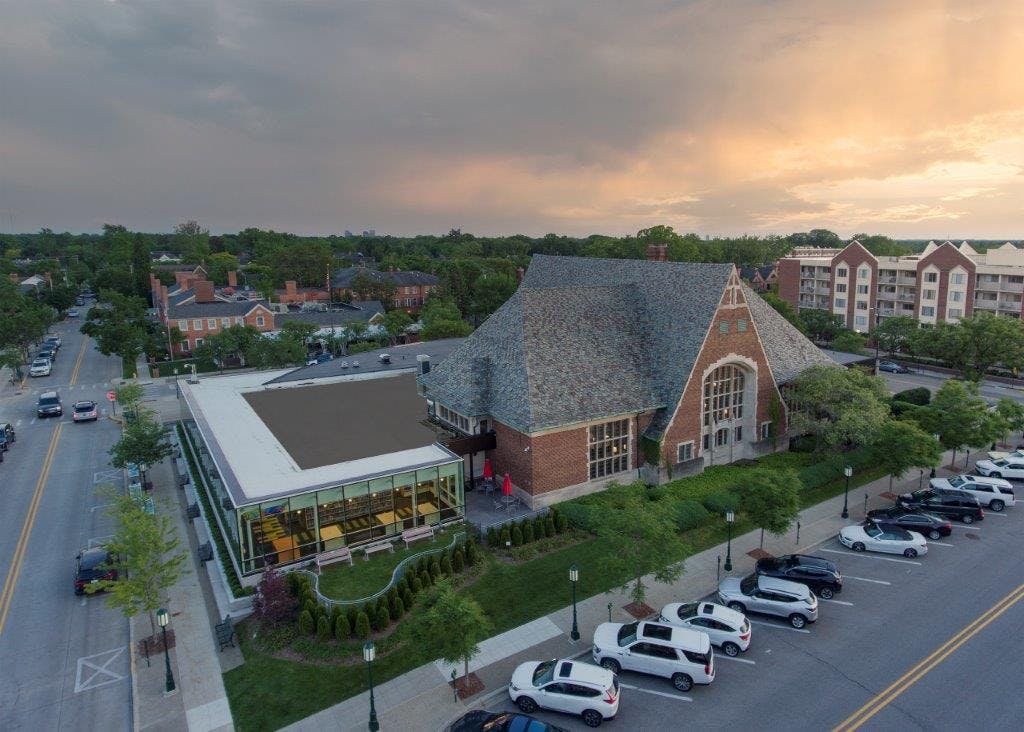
363	578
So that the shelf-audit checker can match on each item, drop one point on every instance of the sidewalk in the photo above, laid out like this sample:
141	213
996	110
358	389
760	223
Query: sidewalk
199	703
423	699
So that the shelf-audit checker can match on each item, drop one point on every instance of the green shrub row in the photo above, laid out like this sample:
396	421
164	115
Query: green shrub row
527	530
354	622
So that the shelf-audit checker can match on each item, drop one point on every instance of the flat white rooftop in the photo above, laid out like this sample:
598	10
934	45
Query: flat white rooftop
286	439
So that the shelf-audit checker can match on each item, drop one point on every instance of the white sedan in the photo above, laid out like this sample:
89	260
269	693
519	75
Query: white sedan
1009	467
890	540
727	629
999	455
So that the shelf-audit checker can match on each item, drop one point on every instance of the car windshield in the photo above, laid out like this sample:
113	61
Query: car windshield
687	610
627	633
40	362
957	481
1000	463
748	584
544	672
91	560
48	401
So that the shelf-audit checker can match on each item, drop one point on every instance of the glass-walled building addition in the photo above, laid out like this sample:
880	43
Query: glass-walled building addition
290	529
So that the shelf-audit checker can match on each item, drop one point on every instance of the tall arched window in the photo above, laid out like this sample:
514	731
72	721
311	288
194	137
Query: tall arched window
723	395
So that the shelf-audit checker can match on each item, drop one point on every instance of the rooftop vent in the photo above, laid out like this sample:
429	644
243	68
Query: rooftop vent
424	360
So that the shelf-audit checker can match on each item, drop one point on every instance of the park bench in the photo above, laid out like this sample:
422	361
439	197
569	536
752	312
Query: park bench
384	546
225	633
335	555
421	532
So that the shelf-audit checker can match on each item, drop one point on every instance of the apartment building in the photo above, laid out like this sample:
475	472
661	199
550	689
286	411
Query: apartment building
945	282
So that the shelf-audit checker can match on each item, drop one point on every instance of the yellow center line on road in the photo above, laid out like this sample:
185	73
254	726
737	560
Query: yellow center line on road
78	362
7	595
911	677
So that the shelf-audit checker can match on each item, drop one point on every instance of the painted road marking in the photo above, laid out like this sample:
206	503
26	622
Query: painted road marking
836	602
862	555
779	627
105	476
95	671
665	694
865	579
1000	514
7	595
78	362
720	656
923	667
938	543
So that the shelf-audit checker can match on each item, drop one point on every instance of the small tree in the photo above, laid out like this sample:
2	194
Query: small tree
323	628
452	625
143	443
1012	413
837	407
446	566
640	542
902	445
458	562
528	534
129	397
363	625
144	551
272	603
959	417
517	535
849	342
306	623
383	617
772	500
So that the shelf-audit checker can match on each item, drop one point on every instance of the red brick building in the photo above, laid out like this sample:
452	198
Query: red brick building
601	370
411	288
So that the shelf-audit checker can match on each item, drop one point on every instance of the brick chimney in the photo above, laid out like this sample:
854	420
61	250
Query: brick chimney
519	274
232	278
289	288
657	252
203	290
163	295
181	278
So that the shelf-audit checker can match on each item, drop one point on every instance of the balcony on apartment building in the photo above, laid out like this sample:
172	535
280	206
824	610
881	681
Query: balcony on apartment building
985	282
986	303
887	293
882	311
1010	286
886	277
906	297
1009	303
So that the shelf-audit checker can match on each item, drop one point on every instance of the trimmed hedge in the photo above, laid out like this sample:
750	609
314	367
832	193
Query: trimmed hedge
921	396
690	514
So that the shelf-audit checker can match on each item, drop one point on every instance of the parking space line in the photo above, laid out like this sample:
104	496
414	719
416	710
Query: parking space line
719	656
779	627
836	602
993	513
656	693
965	528
865	579
939	543
862	555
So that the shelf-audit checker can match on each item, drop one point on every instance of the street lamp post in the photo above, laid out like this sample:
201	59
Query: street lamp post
162	619
932	473
369	651
574	576
847	471
729	518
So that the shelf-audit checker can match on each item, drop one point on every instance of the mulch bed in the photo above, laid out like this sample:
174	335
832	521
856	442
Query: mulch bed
468	686
639	610
888	496
155	643
759	554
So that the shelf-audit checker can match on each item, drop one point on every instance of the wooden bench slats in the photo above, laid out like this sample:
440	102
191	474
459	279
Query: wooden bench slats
421	532
335	555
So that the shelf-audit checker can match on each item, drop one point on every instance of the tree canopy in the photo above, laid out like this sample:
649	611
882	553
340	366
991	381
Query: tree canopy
771	499
837	407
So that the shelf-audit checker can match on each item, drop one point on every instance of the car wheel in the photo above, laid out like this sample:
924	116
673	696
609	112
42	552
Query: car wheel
731	649
967	518
826	593
996	506
797	620
611	664
934	535
858	546
592	718
682	682
526	705
910	553
737	606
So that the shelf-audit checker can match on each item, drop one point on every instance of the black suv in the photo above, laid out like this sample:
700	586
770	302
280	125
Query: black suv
924	523
821	575
49	405
944	503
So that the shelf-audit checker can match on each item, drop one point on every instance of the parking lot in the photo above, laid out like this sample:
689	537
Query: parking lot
893	613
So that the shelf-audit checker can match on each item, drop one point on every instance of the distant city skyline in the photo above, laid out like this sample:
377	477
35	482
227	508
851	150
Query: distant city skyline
316	116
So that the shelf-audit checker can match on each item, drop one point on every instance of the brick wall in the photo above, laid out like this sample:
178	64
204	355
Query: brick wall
945	258
853	257
789	281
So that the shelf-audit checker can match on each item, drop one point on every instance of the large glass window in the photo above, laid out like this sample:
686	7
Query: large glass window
427	508
252	547
331	518
302	523
273	534
382	507
405	486
723	394
358	519
449	490
608	445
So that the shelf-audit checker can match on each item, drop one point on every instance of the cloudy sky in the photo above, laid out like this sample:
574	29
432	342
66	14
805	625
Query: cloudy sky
408	116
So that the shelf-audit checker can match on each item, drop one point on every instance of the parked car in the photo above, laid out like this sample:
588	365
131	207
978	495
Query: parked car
7	438
727	629
770	596
1000	454
994	493
684	656
571	687
480	720
48	352
79	301
890	540
1008	467
49	405
821	575
924	523
54	340
951	504
892	367
40	367
92	567
73	313
84	411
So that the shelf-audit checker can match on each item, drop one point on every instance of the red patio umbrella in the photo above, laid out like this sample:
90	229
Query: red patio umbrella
488	470
506	487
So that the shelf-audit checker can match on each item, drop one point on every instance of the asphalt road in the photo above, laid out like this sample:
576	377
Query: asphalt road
64	661
990	390
894	616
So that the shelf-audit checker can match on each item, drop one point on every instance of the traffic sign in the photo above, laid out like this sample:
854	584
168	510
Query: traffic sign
111	396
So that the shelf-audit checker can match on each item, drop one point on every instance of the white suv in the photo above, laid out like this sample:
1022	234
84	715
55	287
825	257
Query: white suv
572	687
727	629
770	596
1009	467
994	493
682	655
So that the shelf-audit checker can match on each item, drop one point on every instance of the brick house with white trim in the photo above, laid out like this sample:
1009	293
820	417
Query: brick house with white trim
600	370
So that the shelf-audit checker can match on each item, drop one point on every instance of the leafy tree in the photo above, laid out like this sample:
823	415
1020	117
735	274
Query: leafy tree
786	310
641	542
976	344
821	324
363	625
849	342
373	286
1012	413
218	265
901	445
119	325
959	417
191	241
441	319
342	629
59	297
12	359
129	396
490	291
144	551
451	625
895	334
143	442
272	603
837	407
307	262
23	320
772	500
395	323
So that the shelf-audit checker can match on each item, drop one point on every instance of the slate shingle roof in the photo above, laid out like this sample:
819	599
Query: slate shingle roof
364	311
343	277
583	339
218	309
